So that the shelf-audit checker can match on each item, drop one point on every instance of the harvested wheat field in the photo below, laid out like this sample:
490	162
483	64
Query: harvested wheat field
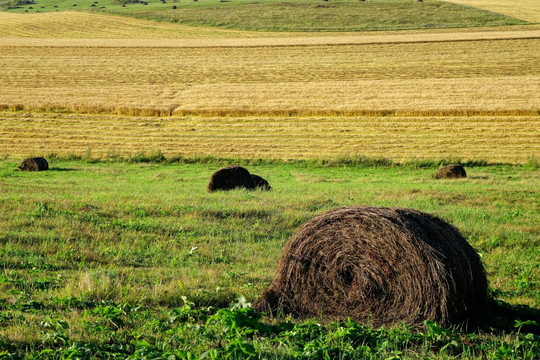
119	251
271	95
426	78
496	138
528	10
69	27
80	25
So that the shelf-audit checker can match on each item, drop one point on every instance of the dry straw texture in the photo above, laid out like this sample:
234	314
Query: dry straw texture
451	172
528	10
446	77
231	177
34	164
493	138
81	25
381	266
324	83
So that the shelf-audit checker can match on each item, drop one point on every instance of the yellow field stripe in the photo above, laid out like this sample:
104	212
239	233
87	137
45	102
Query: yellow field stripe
528	10
478	77
503	138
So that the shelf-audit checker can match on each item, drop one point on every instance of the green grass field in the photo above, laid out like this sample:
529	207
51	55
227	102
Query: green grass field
110	259
294	15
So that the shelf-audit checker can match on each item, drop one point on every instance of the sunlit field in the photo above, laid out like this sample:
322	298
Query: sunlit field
486	77
526	9
292	15
503	139
118	256
119	252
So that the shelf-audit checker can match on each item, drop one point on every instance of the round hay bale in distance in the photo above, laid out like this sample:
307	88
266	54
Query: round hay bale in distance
453	171
230	177
379	266
261	183
34	164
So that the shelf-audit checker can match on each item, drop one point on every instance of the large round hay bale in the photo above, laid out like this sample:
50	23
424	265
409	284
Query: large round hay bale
34	164
451	172
379	266
230	177
261	183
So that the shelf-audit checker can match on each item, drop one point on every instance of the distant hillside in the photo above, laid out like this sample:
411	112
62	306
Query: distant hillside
293	15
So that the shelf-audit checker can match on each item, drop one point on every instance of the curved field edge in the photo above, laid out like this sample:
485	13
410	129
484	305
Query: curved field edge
292	15
12	37
82	25
528	10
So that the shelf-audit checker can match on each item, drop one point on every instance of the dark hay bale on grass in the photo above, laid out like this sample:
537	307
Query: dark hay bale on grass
451	172
379	266
261	183
230	177
34	164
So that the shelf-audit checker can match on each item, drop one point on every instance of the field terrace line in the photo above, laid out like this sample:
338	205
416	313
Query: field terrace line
364	39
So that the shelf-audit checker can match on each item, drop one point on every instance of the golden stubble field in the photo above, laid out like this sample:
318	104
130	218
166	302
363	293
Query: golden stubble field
528	10
401	95
500	139
446	77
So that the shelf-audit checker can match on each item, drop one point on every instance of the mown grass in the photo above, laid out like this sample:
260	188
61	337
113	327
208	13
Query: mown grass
395	138
134	258
446	78
294	15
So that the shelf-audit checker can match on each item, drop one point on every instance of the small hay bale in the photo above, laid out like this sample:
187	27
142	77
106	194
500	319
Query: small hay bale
261	183
379	266
230	177
34	164
451	172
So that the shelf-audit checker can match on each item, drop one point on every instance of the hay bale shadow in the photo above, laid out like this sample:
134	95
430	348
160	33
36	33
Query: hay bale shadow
261	183
508	317
62	169
34	164
231	177
453	171
379	266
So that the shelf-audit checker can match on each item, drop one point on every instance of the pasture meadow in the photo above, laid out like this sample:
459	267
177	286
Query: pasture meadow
133	258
